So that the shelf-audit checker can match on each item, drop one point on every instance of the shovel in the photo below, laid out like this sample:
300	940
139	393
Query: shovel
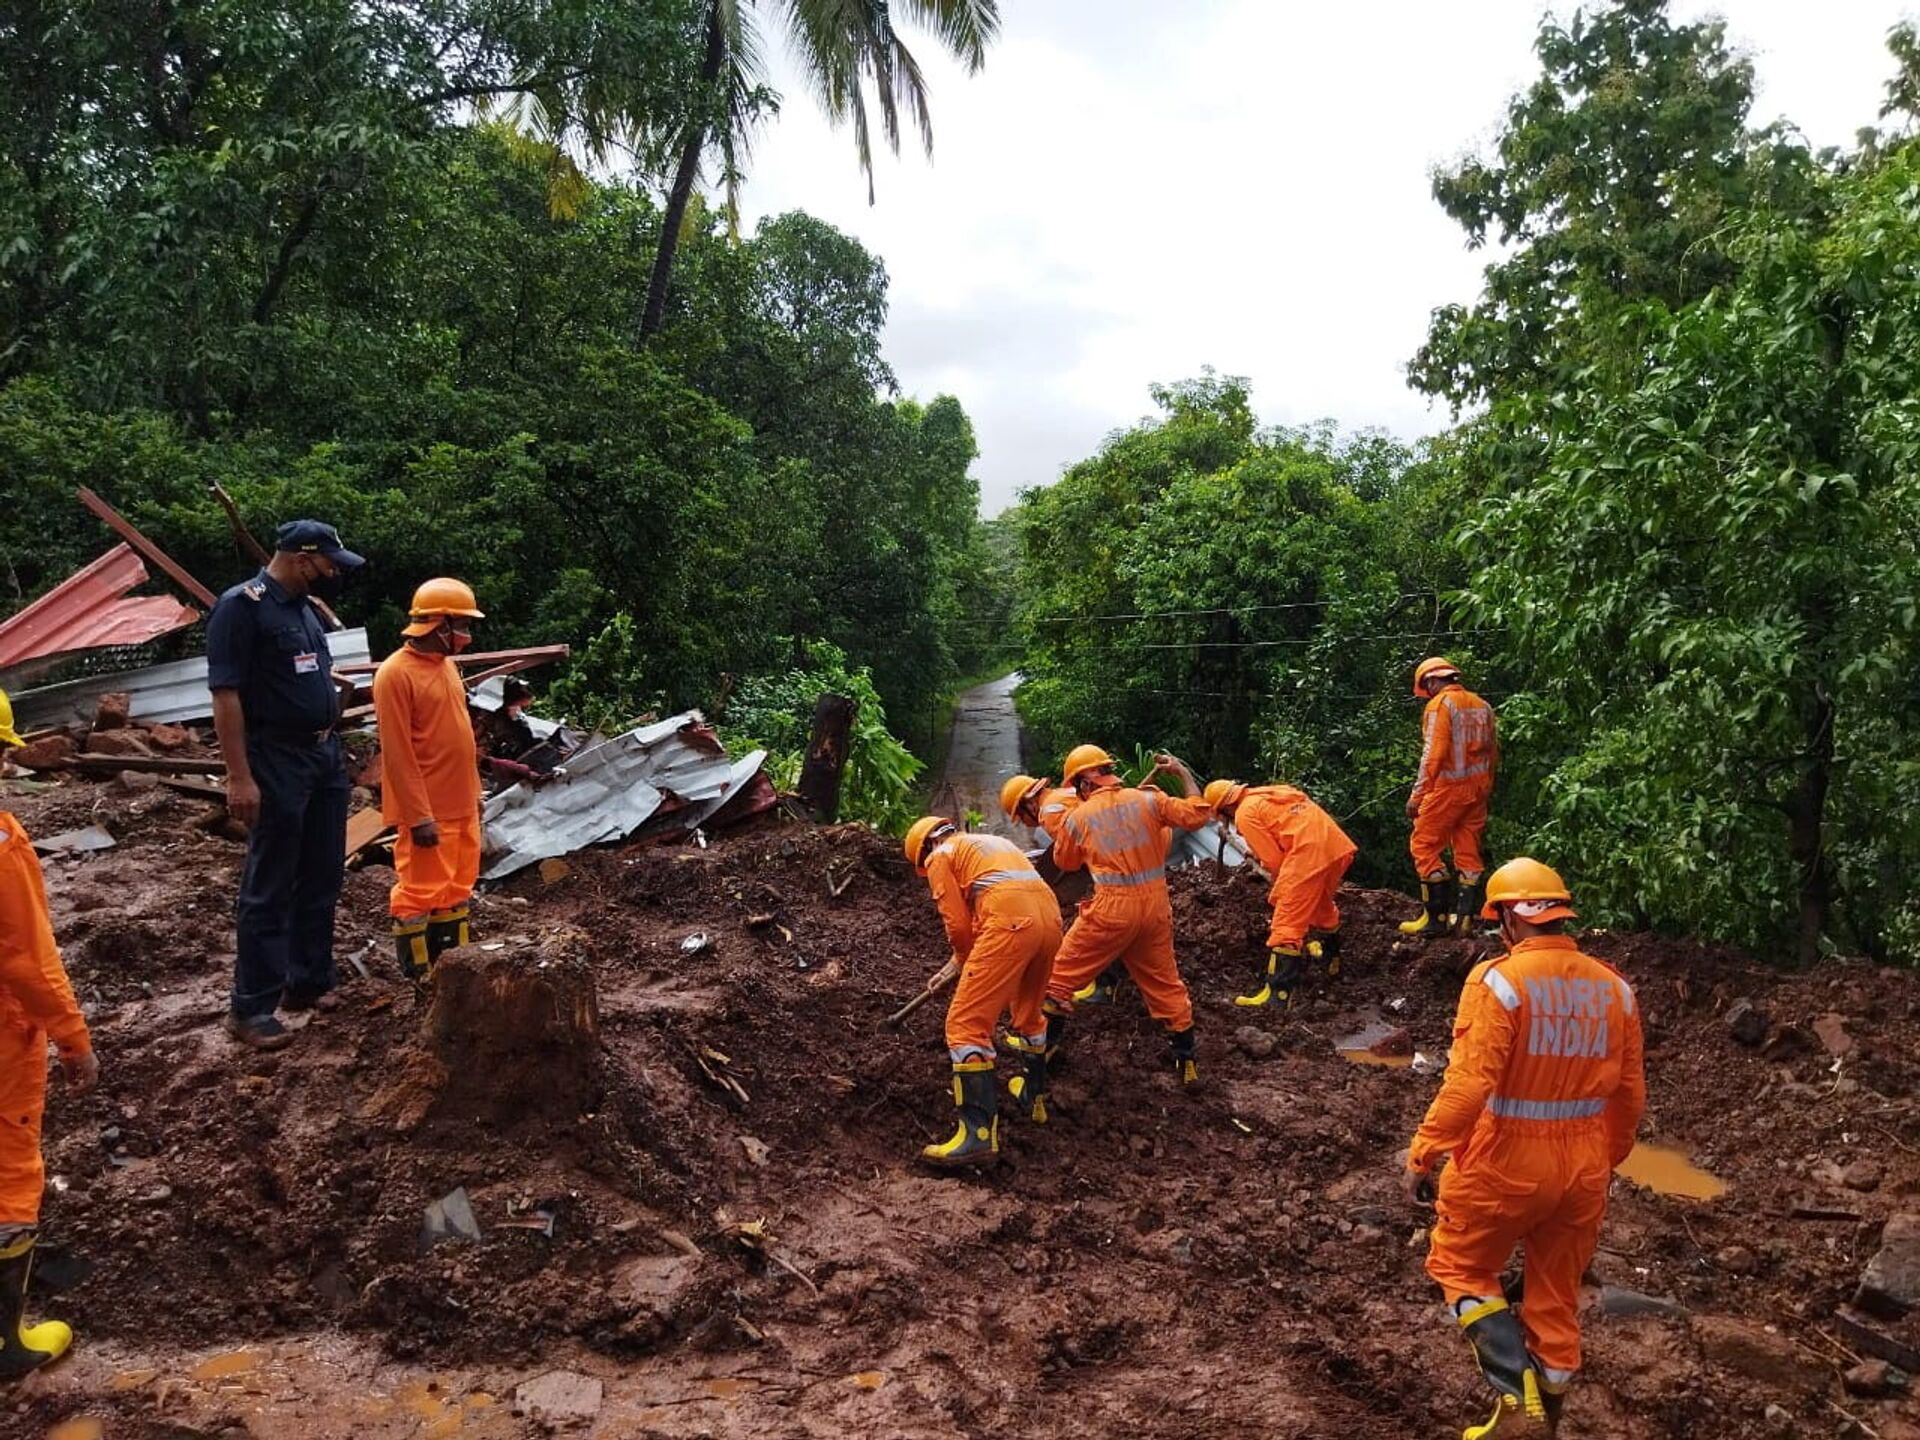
939	981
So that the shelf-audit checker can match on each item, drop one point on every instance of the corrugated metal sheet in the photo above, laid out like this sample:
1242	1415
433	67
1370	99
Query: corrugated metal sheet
611	790
165	694
86	611
1185	847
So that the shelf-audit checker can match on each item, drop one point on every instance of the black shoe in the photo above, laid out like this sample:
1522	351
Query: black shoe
297	1002
260	1032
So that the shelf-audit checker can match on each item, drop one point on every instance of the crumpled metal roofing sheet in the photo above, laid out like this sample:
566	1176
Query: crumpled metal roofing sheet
611	790
164	694
87	611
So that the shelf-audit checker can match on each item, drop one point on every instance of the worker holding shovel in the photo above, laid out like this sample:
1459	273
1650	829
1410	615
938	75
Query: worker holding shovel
1004	926
430	777
36	1005
1120	833
1307	853
1543	1092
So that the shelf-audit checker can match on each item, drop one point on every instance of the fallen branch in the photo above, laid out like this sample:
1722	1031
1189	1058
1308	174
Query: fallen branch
787	1265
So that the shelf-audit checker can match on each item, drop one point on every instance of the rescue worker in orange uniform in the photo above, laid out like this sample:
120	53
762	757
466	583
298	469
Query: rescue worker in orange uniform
1458	757
1120	835
430	777
1004	926
1543	1092
1031	801
1307	853
36	1005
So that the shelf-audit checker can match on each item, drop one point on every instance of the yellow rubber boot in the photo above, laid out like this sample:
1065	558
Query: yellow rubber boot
1500	1349
1099	990
448	930
412	950
976	1139
1276	981
24	1348
1436	900
1185	1046
1327	951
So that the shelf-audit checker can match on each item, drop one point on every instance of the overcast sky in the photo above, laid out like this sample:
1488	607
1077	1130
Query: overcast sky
1133	189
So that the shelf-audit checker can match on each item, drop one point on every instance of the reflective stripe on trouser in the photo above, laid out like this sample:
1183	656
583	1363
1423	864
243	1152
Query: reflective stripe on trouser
1451	817
1544	1187
1303	900
1123	879
1134	926
1017	935
23	1099
435	877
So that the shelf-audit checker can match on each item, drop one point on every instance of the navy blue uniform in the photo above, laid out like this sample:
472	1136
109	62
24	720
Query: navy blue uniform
271	647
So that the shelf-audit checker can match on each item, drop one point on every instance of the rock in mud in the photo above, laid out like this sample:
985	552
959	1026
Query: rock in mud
449	1218
1623	1304
1746	1021
1862	1175
560	1397
118	742
1761	1355
1736	1260
1870	1379
48	754
1255	1042
1891	1285
1832	1030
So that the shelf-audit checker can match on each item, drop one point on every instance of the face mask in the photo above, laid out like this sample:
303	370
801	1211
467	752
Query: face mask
327	587
456	642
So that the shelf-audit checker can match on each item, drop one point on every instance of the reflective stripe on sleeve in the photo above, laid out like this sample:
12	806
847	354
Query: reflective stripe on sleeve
1502	988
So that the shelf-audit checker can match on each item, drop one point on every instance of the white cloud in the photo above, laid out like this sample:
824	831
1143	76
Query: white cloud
1132	190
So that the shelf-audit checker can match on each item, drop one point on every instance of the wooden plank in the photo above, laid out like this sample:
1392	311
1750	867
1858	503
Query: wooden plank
532	654
190	785
123	527
150	764
363	828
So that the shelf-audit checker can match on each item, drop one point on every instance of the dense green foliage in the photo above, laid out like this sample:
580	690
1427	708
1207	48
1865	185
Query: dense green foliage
1673	537
290	253
1238	595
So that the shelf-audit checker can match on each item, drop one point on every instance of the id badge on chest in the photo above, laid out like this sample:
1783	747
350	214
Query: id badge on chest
307	662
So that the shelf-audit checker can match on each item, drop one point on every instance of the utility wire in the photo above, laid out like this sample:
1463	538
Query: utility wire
1310	640
1220	610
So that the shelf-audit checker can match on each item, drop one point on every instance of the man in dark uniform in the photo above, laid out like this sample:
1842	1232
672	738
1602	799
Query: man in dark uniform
275	708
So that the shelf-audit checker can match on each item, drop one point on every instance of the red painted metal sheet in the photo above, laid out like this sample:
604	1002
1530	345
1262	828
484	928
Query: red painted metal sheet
91	609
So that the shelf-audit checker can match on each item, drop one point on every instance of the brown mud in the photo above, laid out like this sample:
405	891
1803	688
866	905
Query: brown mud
743	1243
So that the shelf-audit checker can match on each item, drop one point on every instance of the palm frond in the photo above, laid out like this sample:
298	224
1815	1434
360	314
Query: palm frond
966	27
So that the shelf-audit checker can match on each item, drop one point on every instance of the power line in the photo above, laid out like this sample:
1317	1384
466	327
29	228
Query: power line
1310	640
1218	610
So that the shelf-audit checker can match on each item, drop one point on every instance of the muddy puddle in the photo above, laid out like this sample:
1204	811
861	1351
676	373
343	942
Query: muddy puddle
1667	1171
1376	1043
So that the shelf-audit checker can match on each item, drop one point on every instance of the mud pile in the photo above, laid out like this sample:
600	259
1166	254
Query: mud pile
717	1211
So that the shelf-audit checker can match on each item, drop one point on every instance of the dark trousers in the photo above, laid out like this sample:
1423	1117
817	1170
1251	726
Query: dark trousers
296	858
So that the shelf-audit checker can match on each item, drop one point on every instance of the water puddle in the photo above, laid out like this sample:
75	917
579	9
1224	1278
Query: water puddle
85	1428
1362	1048
234	1362
725	1389
868	1379
1667	1171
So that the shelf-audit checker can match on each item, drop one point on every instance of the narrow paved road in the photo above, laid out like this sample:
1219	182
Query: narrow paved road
983	751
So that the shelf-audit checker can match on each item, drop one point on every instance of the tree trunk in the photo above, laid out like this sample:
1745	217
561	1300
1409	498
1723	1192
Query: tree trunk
1806	839
684	175
826	756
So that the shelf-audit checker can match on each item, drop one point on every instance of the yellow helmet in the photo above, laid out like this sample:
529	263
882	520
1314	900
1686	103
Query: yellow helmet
1525	882
1221	793
918	834
1427	669
8	735
1082	758
442	596
1017	792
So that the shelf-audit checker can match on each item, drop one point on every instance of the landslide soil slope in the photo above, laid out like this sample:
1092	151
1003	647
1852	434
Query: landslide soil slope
1230	1262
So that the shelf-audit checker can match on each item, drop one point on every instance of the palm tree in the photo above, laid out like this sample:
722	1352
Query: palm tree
843	44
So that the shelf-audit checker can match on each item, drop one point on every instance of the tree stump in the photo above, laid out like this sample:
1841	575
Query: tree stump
826	756
511	1035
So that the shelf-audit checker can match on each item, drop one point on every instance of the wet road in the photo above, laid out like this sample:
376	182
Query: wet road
983	752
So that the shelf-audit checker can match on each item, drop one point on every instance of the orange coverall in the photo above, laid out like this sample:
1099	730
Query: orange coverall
1054	807
1457	761
1004	926
36	1004
430	770
1120	835
1543	1093
1305	851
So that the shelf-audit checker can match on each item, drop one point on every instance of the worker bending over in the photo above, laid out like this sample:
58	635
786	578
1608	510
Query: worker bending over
1004	926
1029	800
1119	834
1307	853
430	777
36	1005
1459	754
1542	1095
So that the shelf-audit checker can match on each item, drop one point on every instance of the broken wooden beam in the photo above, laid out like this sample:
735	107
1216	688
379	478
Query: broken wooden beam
531	654
148	764
124	528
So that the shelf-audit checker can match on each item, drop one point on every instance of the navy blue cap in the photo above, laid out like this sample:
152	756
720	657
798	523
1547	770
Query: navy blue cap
315	537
